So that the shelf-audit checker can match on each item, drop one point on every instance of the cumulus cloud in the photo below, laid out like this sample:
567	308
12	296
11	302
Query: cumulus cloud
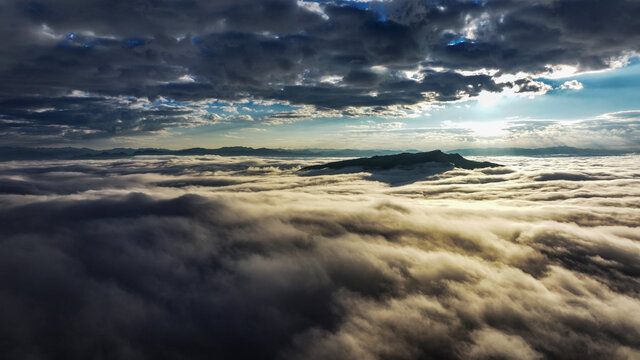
572	85
201	257
378	55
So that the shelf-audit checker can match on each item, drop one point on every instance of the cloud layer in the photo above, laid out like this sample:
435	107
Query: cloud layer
201	257
93	69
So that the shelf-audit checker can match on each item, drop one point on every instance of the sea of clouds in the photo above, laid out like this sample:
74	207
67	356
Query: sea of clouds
233	258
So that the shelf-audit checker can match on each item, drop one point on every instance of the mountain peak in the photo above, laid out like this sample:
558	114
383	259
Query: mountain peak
385	162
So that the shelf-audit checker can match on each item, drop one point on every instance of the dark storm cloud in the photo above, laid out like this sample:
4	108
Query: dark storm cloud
528	36
282	50
166	257
81	117
444	86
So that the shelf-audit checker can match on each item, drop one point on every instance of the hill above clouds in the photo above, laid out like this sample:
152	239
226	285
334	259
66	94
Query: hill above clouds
386	162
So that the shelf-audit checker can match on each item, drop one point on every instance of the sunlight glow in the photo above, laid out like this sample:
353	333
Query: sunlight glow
488	99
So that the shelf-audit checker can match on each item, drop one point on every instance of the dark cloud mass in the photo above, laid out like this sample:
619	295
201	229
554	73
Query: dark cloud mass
124	56
201	257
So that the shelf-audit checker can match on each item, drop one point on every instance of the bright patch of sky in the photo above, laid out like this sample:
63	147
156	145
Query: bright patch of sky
456	41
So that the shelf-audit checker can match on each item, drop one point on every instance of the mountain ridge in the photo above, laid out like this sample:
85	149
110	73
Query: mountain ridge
8	153
385	162
546	151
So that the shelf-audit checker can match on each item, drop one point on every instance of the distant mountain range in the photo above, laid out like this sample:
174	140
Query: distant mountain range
72	153
548	151
406	159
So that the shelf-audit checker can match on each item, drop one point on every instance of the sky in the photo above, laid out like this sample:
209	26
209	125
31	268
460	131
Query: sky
402	74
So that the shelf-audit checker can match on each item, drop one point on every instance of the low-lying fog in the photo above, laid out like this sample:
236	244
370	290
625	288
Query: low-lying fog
231	258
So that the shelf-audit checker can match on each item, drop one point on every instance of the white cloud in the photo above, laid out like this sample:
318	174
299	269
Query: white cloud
313	7
519	262
572	85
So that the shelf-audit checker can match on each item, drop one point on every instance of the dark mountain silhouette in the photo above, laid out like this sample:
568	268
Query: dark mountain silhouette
405	160
71	153
8	153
